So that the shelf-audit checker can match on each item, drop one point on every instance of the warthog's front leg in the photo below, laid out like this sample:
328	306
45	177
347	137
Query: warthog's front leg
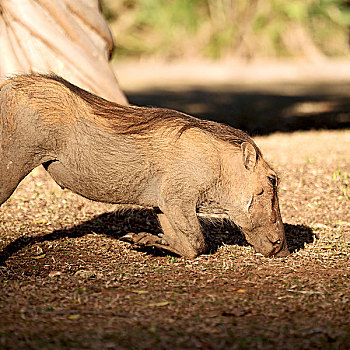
178	219
181	235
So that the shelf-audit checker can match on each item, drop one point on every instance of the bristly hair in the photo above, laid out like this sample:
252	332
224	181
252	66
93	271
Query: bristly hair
136	120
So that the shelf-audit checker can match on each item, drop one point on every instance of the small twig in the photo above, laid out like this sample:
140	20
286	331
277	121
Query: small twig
304	291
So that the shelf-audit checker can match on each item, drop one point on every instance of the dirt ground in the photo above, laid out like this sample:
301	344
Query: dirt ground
68	281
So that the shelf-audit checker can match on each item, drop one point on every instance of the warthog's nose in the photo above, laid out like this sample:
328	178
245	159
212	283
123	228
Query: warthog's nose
280	248
275	242
277	245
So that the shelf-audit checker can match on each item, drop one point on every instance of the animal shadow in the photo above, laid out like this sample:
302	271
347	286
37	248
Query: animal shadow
297	236
118	224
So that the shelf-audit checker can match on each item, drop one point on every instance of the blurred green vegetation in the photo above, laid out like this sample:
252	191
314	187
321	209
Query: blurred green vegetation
172	29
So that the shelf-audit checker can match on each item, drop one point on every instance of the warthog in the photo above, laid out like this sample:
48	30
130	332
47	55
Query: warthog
150	157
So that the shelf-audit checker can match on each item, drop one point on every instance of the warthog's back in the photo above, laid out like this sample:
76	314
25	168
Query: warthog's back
60	103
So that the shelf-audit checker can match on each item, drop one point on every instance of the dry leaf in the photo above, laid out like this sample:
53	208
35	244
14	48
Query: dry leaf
55	274
73	317
85	273
39	256
236	290
40	222
160	303
139	291
153	329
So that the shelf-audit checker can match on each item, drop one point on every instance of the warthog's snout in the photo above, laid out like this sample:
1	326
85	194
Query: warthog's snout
279	246
277	249
282	250
262	243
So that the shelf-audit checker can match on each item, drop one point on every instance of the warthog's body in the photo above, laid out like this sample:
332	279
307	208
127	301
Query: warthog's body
145	156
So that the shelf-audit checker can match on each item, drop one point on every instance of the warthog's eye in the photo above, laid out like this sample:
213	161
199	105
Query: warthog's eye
261	192
272	180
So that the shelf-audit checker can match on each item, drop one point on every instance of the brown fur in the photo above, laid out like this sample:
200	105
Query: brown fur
61	102
150	157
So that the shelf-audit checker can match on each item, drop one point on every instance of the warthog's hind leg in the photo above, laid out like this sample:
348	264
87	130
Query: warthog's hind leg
11	174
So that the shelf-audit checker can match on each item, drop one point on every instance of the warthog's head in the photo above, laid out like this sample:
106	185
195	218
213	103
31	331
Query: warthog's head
253	205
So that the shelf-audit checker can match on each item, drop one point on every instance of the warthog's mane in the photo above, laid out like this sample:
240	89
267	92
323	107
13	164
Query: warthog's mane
134	120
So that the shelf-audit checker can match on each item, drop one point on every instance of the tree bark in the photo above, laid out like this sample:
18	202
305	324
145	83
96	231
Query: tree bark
69	38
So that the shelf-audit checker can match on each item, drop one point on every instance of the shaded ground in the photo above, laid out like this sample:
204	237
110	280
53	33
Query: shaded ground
259	98
260	109
69	282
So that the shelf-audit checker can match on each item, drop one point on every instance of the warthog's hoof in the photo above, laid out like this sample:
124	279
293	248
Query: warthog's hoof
143	239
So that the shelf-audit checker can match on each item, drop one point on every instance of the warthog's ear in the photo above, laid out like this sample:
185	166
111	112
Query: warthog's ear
249	155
